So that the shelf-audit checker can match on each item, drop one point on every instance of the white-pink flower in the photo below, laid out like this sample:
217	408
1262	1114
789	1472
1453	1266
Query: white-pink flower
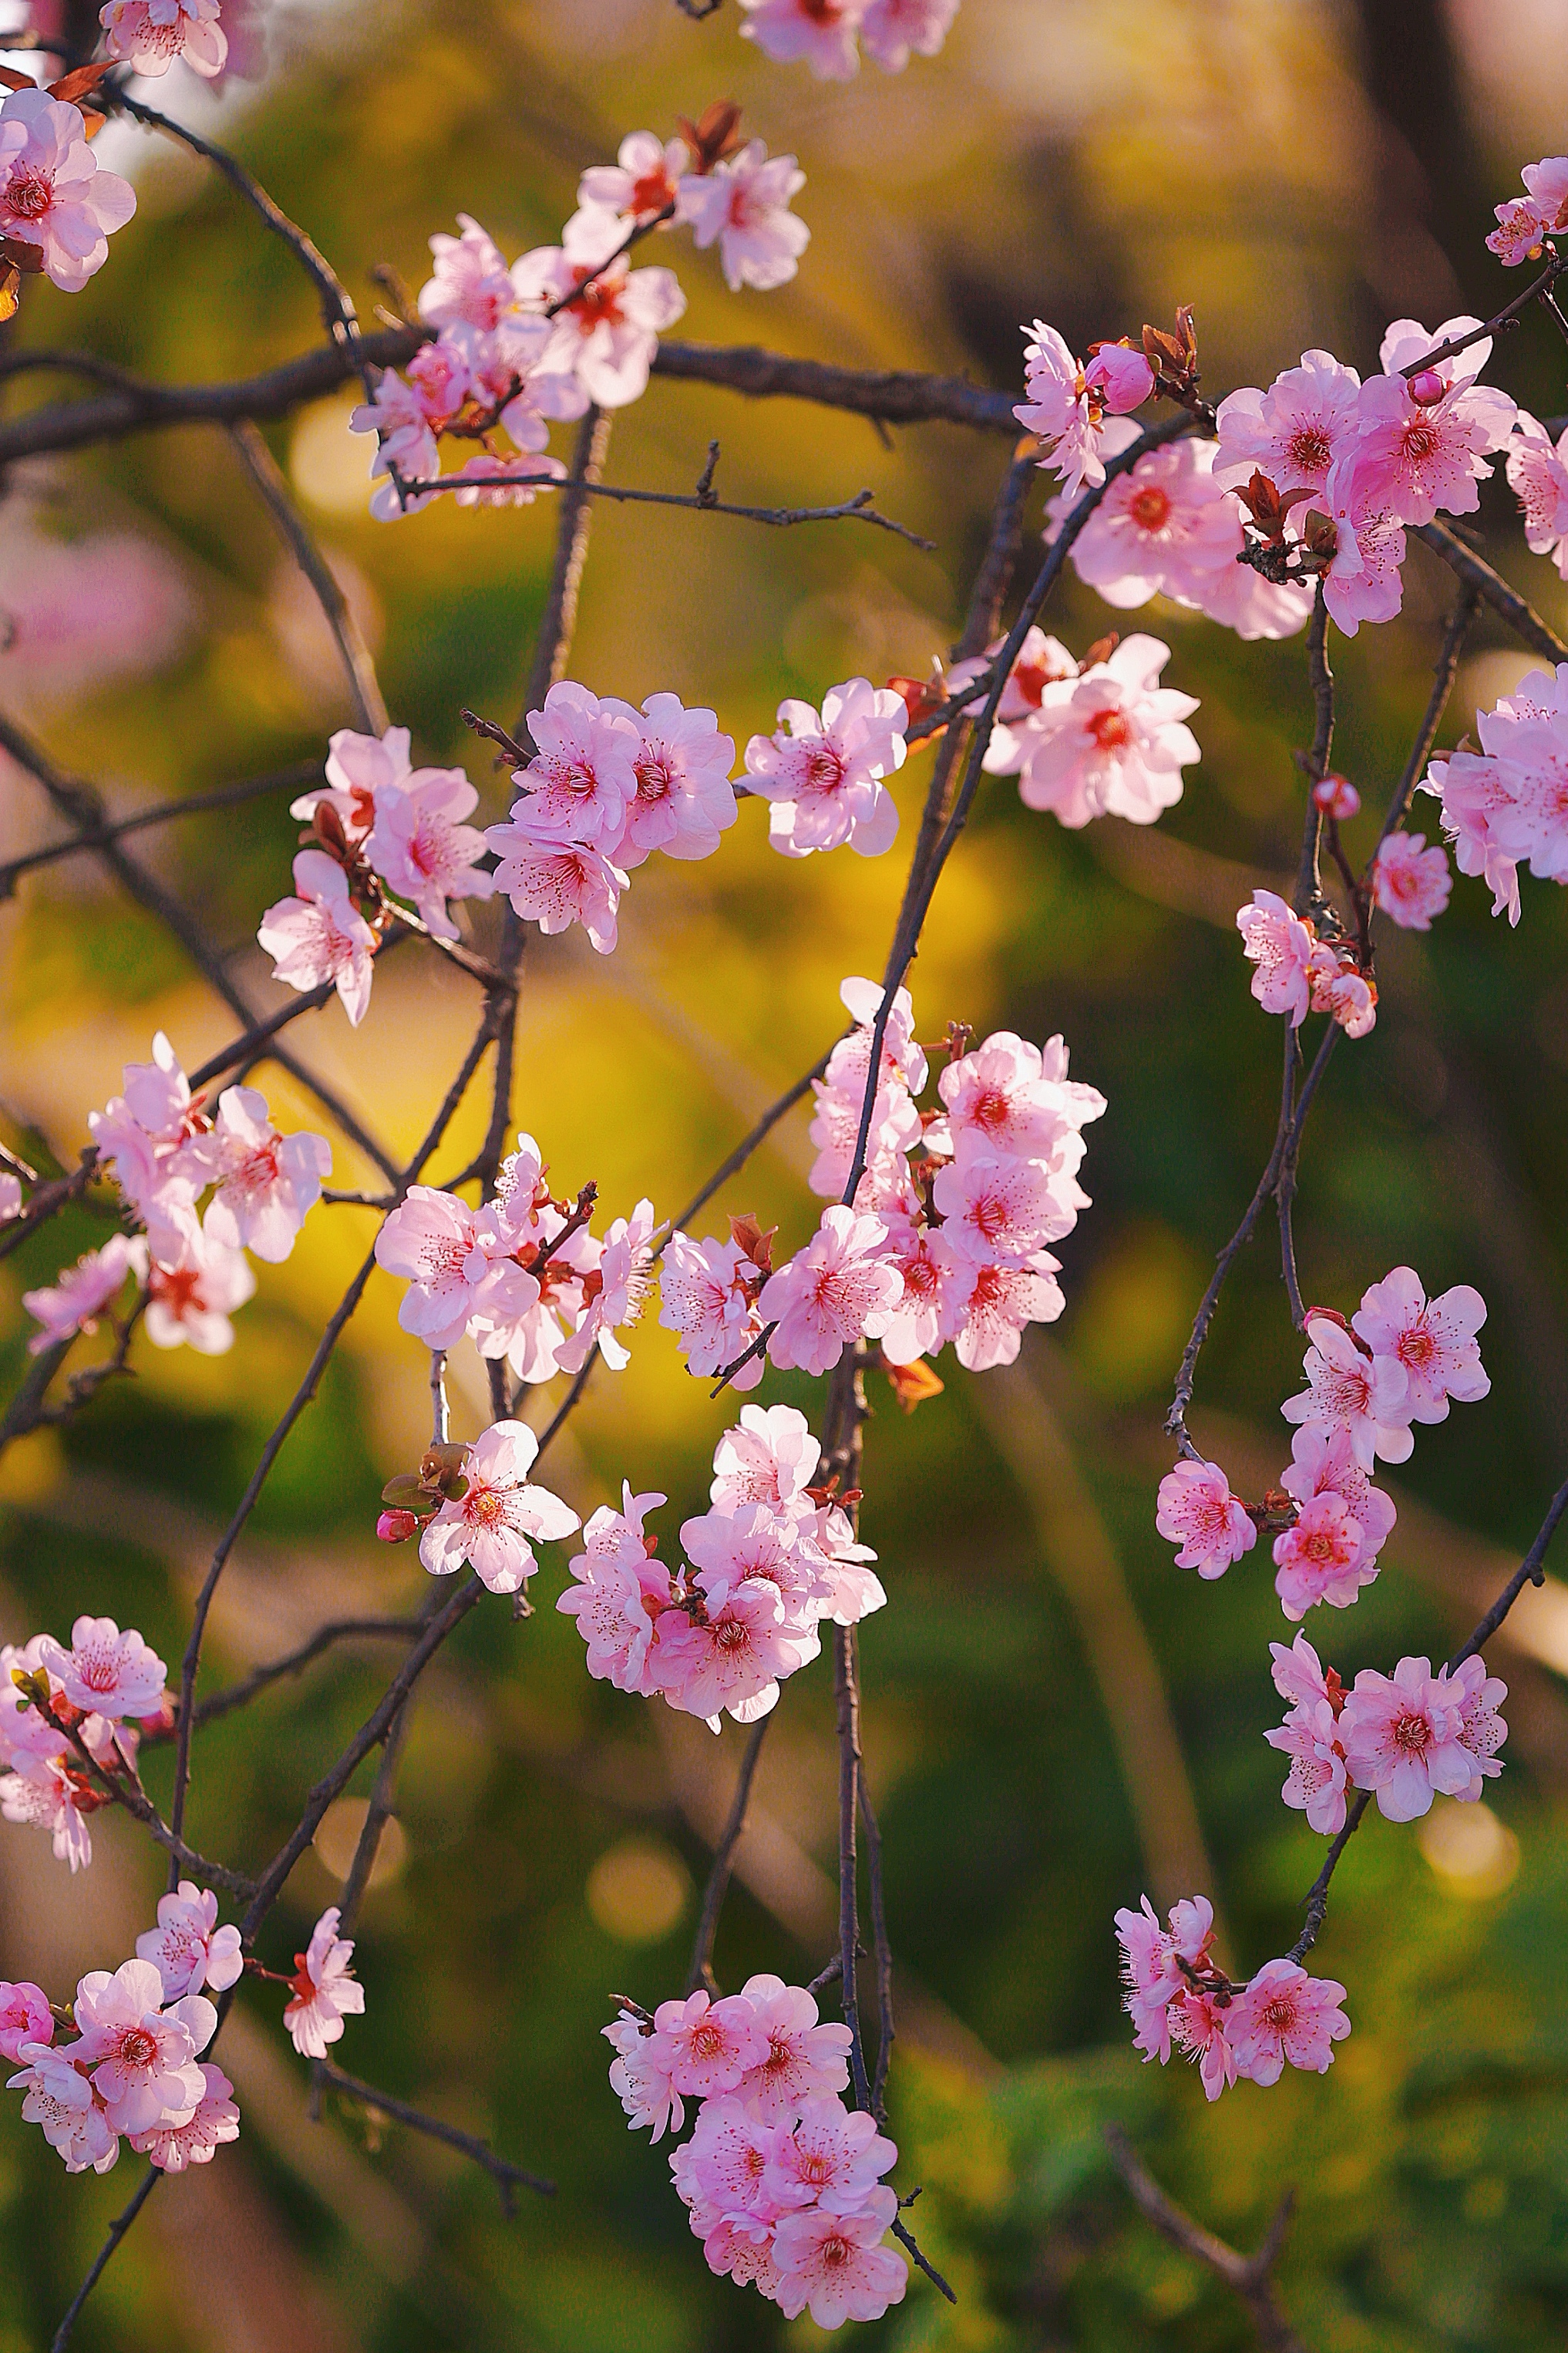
1323	1556
1400	1738
708	1292
831	2156
805	2058
998	1211
359	769
1481	1732
143	2056
582	778
839	1289
644	179
1294	431
822	31
936	1276
680	764
1324	1462
435	1242
1197	1511
988	1315
625	1271
1060	409
734	1658
141	1136
721	2172
607	333
744	203
1537	470
621	1589
491	1524
554	880
1369	1396
770	1458
53	196
707	2046
1340	988
725	1548
187	1947
640	2078
265	1182
1014	1097
1317	1780
822	771
172	2146
150	34
189	1305
320	934
836	2266
1410	882
1109	742
105	1672
1280	944
1284	2014
325	1990
1434	1340
890	29
1363	582
1419	455
10	1197
421	849
60	2098
470	284
80	1294
51	1794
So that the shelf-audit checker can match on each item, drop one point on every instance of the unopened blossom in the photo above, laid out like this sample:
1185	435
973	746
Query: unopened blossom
79	1294
708	2045
643	181
421	849
683	800
1121	375
1285	2015
189	1305
53	196
836	1290
143	2056
582	778
325	1990
1410	882
106	1673
187	1947
709	1292
997	1210
744	203
1434	1339
1481	1730
1015	1098
806	2057
555	880
1363	581
835	2265
988	1314
1347	1390
822	31
1280	944
1112	742
733	1660
607	333
831	2157
1400	1738
265	1182
1197	1512
1294	431
173	2147
1421	456
148	35
1537	470
1339	988
890	29
26	2016
1060	409
1317	1780
770	1458
319	935
60	2098
495	1524
822	771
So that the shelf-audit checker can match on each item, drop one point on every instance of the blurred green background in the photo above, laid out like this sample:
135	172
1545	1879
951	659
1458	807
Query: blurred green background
1054	1718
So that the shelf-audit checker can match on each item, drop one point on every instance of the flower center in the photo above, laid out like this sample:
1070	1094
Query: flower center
1110	729
731	1635
1413	1734
99	1674
1417	1348
652	191
654	782
1150	508
137	2048
835	2252
487	1506
31	192
990	1109
1422	440
1279	2014
1309	449
708	2042
824	771
598	304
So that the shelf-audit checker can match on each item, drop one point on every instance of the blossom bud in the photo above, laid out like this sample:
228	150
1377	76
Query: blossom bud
1337	796
1428	388
396	1527
1122	377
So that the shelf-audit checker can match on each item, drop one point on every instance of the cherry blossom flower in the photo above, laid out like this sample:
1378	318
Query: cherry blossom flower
555	882
621	1590
172	2146
1481	1730
488	481
489	1527
1400	1738
1340	988
582	779
1060	410
936	1274
187	1947
1280	944
1547	183
1420	455
53	196
822	771
1042	661
141	2055
265	1183
755	1541
805	2058
645	178
607	333
1323	1557
359	769
26	2017
1537	470
1475	789
1283	2015
1324	1463
1294	431
1366	1394
1410	882
1301	1677
997	1210
829	2156
421	850
770	1458
321	935
434	1241
720	2171
683	798
855	1592
60	2099
1121	375
708	2046
821	31
744	203
625	1272
640	2078
1363	582
470	284
741	2247
890	29
325	1990
1317	1780
105	1672
1520	226
836	1290
988	1316
733	1660
1197	1510
1014	1097
1152	1975
1434	1340
190	1304
836	2266
142	1136
708	1291
1110	742
80	1294
150	34
52	1795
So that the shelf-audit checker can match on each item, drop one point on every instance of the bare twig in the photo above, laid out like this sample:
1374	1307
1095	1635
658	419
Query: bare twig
1249	2276
1520	616
858	509
508	2177
296	779
701	1970
364	688
117	2230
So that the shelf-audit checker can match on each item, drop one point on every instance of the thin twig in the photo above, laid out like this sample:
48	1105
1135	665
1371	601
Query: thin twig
858	509
364	688
1520	616
508	2177
1249	2276
1308	885
296	779
1445	672
701	1970
117	2230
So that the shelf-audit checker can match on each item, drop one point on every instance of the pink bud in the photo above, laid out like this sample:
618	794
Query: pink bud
1428	388
1337	796
396	1527
1123	378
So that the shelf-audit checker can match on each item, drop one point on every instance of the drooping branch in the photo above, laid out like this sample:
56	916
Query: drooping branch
364	688
508	2177
297	779
701	1970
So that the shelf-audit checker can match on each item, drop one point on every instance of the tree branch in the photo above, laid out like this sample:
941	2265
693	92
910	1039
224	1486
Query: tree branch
508	2177
1248	2276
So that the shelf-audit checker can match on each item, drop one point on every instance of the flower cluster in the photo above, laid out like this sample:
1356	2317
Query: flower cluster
1507	804
518	348
1100	739
1176	1994
132	2068
773	1558
70	1723
828	34
783	2182
1406	1736
1298	973
1524	223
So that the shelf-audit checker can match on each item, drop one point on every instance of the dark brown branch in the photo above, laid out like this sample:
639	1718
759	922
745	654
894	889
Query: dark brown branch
633	236
508	2179
337	1630
747	1146
364	688
885	2029
117	2230
856	510
1250	2278
47	1201
1538	287
701	1970
1308	886
296	779
1445	672
1521	617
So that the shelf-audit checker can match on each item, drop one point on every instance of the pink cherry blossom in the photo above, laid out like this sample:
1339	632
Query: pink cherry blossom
1537	470
1061	411
770	1458
822	31
1530	820
621	1590
190	1304
707	2045
890	29
1366	1394
643	180
53	196
79	1294
854	1591
1042	661
625	1272
988	1316
187	1947
321	935
834	2264
681	765
487	481
1280	944
1481	1730
150	34
1547	183
744	203
421	850
1197	1510
708	1292
1152	1975
727	1549
838	1290
1363	582
433	1239
829	2156
26	2017
470	284
582	779
1434	1340
1400	1738
999	1212
1110	742
1014	1097
359	769
325	1990
1322	1462
936	1276
52	1795
1410	882
172	2146
265	1183
721	2170
640	2075
1294	431
734	1660
1420	455
1322	1558
105	1672
822	771
60	2098
490	1526
1475	789
1283	2015
1317	1780
142	2057
805	2058
555	880
1339	988
607	333
142	1136
1520	226
1301	1677
1197	2022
